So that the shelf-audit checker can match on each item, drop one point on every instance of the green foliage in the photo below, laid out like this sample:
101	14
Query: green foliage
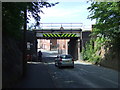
10	19
107	15
13	15
106	31
87	51
92	48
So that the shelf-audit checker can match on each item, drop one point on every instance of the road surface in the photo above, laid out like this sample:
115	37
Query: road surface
85	75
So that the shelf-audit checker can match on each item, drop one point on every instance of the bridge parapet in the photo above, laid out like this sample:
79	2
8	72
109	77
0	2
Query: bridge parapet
61	25
59	32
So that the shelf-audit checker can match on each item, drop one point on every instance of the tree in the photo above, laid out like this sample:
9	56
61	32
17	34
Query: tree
106	31
13	15
107	15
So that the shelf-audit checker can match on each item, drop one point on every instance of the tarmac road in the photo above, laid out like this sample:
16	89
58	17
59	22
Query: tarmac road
85	75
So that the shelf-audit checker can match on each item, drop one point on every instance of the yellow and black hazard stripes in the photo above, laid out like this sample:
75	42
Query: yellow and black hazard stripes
59	35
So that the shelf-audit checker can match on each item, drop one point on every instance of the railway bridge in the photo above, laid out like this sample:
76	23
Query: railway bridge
71	31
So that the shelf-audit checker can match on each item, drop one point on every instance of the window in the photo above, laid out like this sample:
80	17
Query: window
66	56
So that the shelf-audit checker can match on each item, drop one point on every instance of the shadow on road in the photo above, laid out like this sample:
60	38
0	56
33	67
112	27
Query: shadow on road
37	76
46	75
83	76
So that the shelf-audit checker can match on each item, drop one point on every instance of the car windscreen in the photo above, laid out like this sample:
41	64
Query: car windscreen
66	56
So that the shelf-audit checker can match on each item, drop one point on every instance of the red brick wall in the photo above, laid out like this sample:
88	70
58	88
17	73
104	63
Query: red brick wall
63	46
44	44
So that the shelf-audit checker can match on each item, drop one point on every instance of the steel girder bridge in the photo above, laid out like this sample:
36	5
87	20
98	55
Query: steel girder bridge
72	31
59	30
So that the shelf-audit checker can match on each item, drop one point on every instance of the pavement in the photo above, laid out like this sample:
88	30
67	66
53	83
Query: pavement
37	76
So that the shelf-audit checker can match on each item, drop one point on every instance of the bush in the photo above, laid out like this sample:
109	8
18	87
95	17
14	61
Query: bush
91	52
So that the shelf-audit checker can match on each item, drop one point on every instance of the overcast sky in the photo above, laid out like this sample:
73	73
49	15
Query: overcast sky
67	11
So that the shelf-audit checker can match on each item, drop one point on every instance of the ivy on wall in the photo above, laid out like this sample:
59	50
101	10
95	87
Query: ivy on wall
106	31
91	52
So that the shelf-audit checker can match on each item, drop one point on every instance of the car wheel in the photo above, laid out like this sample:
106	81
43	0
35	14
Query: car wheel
59	66
55	64
72	66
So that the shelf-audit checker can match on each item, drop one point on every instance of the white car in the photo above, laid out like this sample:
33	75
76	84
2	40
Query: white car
64	60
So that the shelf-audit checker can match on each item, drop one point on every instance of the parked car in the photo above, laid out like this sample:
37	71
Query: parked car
64	60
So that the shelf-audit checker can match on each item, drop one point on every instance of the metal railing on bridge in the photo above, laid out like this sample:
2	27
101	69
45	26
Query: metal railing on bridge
61	26
59	30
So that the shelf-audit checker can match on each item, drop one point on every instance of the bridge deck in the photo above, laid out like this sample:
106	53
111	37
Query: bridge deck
57	33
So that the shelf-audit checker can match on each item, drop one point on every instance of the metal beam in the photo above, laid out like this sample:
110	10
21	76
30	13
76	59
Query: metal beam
57	31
